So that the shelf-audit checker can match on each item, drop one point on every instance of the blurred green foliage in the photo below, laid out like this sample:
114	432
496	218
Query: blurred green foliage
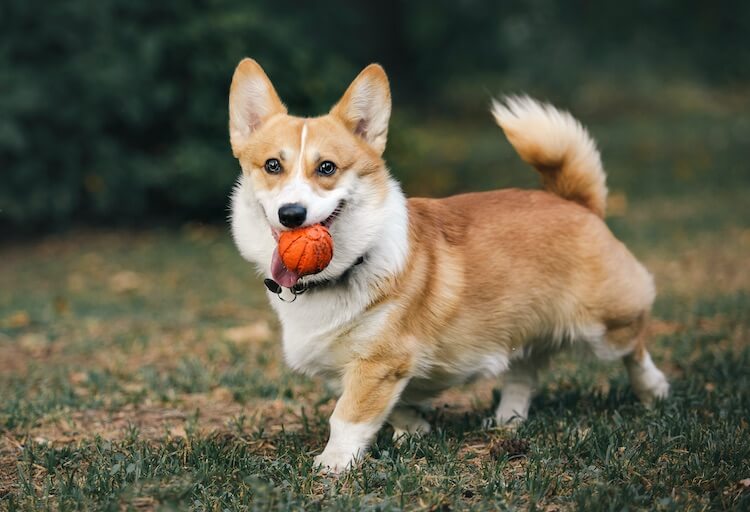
114	111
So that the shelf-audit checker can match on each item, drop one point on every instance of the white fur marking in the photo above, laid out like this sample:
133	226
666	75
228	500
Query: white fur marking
301	157
348	441
648	382
405	421
520	384
493	365
347	444
514	403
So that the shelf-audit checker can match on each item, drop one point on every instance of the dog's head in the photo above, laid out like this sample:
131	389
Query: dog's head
305	171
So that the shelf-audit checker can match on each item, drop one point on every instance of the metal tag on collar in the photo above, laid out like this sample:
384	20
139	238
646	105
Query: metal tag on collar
276	288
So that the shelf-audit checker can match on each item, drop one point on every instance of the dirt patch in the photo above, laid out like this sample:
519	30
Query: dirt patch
198	413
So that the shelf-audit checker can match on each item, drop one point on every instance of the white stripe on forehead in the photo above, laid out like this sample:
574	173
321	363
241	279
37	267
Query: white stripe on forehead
301	156
297	189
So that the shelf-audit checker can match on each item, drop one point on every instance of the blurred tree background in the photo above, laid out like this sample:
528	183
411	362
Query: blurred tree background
115	111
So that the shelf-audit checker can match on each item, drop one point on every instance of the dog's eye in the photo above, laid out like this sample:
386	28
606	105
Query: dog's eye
326	168
272	166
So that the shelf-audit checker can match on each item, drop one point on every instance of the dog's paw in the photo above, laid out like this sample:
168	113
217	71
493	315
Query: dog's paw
648	391
501	422
417	428
408	423
648	381
334	462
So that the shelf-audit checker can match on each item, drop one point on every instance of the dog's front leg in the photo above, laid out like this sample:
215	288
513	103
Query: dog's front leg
371	389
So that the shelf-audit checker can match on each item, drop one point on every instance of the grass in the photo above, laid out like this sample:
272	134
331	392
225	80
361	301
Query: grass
142	370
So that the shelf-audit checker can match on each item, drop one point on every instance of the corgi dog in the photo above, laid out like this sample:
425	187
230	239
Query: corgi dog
423	294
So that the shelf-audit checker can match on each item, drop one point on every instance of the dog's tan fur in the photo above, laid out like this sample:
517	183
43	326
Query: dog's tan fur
536	248
514	272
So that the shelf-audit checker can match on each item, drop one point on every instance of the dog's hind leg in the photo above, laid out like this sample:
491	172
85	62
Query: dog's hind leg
649	383
407	420
520	384
629	342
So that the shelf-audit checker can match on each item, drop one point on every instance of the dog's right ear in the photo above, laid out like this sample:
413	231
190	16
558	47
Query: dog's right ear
252	100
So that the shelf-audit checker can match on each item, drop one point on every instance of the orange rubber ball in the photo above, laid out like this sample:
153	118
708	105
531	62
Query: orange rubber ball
306	251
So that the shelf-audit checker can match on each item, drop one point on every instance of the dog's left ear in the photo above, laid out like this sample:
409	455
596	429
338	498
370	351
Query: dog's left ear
365	107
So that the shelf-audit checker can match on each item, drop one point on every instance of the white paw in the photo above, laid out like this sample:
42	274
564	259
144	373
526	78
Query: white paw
649	383
334	461
514	403
348	443
417	426
502	421
651	389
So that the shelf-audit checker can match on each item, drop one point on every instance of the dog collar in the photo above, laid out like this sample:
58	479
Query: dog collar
301	287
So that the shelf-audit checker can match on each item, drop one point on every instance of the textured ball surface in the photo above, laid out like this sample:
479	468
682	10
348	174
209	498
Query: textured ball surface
307	250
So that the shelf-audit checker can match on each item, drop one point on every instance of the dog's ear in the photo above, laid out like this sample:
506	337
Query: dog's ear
365	107
252	100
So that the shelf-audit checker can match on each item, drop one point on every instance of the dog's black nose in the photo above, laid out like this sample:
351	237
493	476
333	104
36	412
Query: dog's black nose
292	215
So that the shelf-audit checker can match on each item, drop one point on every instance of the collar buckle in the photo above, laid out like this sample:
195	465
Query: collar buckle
299	287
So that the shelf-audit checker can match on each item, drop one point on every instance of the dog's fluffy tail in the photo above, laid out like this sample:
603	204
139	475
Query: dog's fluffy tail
556	144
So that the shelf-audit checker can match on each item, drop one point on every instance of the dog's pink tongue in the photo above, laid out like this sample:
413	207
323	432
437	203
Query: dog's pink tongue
280	273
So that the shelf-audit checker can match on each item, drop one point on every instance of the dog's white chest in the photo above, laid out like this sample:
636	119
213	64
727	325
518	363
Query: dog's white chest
328	329
312	352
